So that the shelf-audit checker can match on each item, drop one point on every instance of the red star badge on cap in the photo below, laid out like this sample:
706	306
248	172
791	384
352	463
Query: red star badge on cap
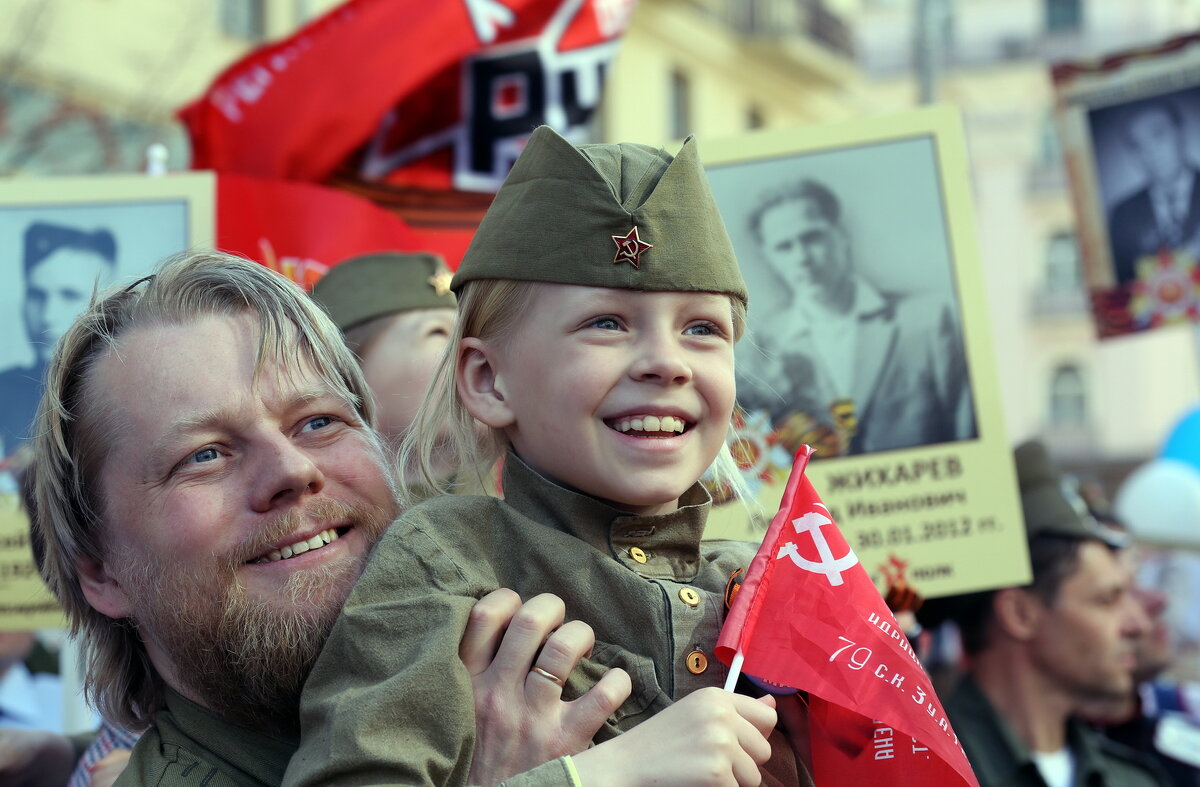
630	248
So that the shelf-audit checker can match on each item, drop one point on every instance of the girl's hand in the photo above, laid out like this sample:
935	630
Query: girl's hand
710	738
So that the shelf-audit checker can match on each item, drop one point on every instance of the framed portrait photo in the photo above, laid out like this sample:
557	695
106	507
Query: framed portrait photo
1130	129
61	240
867	339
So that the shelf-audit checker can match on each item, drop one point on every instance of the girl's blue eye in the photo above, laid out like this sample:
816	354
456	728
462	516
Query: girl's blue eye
606	323
703	329
205	455
320	422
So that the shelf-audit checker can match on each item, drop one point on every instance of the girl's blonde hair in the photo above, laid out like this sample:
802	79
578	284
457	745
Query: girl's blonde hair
490	309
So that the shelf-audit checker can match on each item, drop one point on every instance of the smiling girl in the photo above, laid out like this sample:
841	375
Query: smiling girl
599	304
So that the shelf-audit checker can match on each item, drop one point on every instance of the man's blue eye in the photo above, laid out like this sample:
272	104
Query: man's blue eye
205	455
703	329
320	422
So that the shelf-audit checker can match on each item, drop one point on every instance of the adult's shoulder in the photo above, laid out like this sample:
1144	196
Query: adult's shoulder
1129	767
445	534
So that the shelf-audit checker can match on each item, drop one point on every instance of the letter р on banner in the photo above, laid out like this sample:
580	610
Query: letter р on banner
809	617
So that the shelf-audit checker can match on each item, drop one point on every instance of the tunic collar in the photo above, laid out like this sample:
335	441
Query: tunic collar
999	756
670	542
229	747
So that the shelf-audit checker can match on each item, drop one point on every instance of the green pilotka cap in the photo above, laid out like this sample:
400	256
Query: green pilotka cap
1051	507
623	215
1051	504
376	285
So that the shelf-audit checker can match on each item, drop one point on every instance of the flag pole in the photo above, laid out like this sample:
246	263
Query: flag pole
735	669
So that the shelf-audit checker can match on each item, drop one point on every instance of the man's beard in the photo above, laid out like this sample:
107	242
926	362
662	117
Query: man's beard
247	658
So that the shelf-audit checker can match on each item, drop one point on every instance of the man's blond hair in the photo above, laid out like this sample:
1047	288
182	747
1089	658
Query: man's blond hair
490	309
71	435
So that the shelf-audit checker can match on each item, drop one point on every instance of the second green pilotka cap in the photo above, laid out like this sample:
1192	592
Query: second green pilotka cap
623	215
1051	504
376	285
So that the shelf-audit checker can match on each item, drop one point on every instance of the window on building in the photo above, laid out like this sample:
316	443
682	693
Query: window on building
1068	397
754	118
246	19
1049	147
1063	274
1064	16
681	104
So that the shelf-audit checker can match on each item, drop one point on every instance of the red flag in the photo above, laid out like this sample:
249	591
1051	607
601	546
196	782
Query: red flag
808	616
436	86
300	229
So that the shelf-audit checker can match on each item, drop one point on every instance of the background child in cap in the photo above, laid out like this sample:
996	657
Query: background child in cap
599	304
396	312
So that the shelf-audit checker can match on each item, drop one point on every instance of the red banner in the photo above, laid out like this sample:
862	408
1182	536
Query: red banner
809	617
300	229
436	94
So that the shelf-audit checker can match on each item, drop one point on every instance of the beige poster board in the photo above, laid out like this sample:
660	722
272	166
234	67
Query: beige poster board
868	339
59	239
1130	130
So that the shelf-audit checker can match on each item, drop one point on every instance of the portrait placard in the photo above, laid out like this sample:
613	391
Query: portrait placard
1130	130
64	238
868	339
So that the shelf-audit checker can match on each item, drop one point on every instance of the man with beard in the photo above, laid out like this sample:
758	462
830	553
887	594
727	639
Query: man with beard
1037	654
208	485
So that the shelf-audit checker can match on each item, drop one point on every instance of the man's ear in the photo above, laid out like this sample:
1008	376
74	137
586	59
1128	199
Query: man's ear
101	589
480	385
1018	612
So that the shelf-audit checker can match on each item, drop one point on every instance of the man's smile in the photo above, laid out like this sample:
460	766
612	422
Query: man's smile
300	546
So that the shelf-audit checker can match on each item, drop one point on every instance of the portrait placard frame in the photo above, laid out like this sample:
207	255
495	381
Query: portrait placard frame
1139	275
128	222
943	515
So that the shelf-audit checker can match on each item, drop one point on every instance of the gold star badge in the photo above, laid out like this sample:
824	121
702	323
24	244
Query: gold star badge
440	281
630	248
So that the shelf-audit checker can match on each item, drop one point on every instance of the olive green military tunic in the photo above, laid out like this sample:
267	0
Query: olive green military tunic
389	701
190	746
1000	759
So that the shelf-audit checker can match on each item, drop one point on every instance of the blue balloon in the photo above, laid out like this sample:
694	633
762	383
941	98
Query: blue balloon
1183	443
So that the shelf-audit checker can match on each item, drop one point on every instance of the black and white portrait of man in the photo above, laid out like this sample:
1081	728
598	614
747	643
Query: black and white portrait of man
855	340
58	256
1149	180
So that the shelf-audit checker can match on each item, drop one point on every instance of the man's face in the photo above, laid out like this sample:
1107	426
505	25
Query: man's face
239	512
1086	638
56	290
809	252
1158	144
1154	649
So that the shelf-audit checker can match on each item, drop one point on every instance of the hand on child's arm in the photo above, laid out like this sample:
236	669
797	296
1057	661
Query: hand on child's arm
710	738
520	718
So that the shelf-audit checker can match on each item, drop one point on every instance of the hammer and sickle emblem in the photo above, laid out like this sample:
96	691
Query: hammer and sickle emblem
828	565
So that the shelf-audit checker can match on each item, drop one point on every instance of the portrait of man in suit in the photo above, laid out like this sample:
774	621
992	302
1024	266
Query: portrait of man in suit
1163	213
847	365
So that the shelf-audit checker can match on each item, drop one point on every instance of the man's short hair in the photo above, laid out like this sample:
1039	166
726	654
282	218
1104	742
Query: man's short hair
70	436
1165	106
805	189
1052	560
43	239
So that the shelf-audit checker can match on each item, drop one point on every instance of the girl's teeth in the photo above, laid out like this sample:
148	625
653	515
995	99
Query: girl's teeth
651	423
